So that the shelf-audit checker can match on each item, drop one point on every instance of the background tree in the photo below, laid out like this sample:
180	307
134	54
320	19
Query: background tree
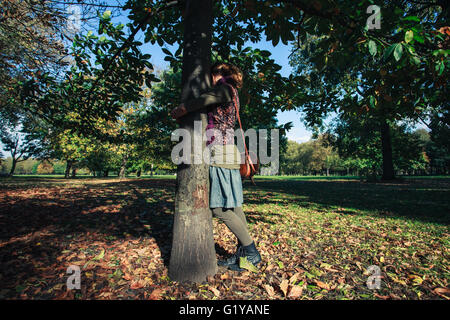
382	72
20	145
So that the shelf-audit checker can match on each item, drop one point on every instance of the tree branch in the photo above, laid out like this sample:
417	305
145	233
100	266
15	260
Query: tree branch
127	42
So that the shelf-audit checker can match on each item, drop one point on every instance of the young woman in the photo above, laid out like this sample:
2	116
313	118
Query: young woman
226	197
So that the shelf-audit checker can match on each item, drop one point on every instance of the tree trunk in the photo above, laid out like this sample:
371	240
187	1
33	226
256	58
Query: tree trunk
68	167
13	166
386	147
123	168
193	257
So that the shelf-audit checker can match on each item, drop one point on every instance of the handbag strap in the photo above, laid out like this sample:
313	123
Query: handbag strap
236	105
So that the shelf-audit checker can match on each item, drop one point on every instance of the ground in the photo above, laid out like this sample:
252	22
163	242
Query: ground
318	238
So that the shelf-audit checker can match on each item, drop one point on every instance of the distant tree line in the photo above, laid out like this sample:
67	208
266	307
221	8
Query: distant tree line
337	153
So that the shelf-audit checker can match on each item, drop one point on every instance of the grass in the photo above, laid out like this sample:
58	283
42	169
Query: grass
317	236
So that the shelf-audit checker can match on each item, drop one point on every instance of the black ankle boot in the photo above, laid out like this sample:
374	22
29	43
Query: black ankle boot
251	253
232	260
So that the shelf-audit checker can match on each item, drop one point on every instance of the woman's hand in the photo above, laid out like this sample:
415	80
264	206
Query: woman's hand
179	111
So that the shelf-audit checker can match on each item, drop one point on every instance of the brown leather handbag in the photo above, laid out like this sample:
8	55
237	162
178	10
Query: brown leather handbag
248	169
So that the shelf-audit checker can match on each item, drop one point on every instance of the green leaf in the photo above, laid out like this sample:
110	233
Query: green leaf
247	265
372	47
388	52
398	51
167	52
409	35
106	14
372	101
100	256
440	67
419	38
411	18
416	59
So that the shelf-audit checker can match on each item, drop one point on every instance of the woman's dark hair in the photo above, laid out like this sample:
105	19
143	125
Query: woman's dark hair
233	73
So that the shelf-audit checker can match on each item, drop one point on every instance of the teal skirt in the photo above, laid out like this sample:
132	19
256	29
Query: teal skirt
225	188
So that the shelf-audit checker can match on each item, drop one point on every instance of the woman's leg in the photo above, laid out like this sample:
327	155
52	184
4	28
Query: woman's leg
240	213
235	222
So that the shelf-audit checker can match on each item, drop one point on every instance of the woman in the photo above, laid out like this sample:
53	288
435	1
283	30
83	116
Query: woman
225	197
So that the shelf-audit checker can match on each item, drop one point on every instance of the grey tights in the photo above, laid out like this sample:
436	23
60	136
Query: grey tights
234	219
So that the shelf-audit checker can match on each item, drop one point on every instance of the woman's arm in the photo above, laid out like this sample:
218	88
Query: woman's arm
217	95
220	94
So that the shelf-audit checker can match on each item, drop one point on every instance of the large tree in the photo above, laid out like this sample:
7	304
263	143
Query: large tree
392	73
20	145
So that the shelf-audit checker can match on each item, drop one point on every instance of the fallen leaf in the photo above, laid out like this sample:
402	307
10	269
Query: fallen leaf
380	296
269	290
215	291
247	265
416	280
137	285
100	256
284	286
224	276
441	291
156	294
293	279
295	292
127	276
322	285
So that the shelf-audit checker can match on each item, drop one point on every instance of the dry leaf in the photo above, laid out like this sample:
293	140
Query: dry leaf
381	297
440	292
322	285
156	294
284	286
269	290
295	292
137	284
293	279
224	276
127	276
215	291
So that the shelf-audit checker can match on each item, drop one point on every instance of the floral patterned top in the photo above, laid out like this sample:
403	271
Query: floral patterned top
223	118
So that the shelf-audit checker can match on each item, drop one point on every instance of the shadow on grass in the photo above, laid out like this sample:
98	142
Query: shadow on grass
423	200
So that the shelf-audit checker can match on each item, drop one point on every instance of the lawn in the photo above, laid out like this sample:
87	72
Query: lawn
317	237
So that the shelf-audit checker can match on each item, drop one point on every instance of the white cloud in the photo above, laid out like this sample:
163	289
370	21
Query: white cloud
299	135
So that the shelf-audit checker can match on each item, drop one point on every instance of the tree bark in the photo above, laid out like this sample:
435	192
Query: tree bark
13	166
123	168
386	146
193	256
68	167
